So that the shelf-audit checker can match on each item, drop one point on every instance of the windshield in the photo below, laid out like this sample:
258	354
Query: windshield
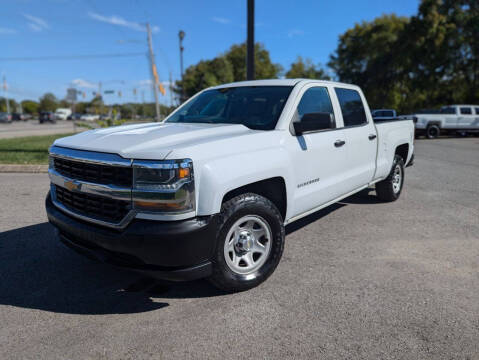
257	107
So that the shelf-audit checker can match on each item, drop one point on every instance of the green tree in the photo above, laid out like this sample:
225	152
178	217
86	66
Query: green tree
443	54
48	102
367	55
80	107
30	107
12	103
228	67
264	68
306	69
96	106
425	61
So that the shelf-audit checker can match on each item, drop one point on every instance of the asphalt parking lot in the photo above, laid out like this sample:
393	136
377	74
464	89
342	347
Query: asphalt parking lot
33	127
359	280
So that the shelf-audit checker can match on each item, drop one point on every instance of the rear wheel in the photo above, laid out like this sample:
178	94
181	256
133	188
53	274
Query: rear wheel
390	188
250	243
433	132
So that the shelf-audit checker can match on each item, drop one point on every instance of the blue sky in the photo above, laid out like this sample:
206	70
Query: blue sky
84	27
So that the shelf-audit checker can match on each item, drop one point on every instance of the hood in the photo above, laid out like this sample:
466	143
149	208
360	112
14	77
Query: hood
150	141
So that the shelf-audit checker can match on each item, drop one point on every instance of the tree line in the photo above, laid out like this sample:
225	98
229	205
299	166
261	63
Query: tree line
49	102
406	63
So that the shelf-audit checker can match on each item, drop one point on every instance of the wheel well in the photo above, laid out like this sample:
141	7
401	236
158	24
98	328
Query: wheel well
437	123
402	151
274	189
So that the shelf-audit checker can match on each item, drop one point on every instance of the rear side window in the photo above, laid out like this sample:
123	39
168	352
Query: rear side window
477	110
466	111
448	110
351	107
315	100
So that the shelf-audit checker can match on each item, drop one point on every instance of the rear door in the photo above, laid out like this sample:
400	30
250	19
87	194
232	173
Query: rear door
360	136
465	118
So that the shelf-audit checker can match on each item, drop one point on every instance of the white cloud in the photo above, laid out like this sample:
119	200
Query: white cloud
35	27
119	21
36	24
7	31
146	82
221	20
84	84
295	32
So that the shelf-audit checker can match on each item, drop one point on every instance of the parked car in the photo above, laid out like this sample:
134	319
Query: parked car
18	117
46	116
208	192
452	118
5	117
74	116
90	117
62	113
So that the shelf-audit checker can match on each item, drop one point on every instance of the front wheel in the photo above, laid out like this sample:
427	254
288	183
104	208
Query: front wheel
250	243
390	188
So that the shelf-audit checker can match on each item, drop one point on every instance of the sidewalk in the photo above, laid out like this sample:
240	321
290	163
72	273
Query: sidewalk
16	168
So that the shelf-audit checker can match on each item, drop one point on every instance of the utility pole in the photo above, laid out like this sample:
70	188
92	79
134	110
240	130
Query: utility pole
100	98
153	70
171	90
181	35
5	88
250	42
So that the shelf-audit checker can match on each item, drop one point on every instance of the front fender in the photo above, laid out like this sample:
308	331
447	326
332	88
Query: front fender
221	175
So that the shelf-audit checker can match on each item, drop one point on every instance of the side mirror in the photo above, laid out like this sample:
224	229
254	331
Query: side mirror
314	122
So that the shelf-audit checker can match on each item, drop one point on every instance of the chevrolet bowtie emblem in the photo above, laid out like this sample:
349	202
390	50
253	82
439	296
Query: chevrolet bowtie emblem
71	185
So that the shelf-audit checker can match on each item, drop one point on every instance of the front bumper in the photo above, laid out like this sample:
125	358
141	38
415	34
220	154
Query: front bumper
170	250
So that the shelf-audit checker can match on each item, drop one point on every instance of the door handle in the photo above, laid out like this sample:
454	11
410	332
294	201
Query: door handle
339	143
372	137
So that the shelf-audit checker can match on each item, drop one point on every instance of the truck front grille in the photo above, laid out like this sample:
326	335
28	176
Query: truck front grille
95	173
92	206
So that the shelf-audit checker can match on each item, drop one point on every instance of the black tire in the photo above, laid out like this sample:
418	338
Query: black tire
233	210
385	190
433	131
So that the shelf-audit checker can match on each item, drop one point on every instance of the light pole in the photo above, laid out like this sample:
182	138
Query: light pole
181	36
250	42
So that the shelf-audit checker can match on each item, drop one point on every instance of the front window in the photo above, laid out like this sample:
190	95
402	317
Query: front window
256	107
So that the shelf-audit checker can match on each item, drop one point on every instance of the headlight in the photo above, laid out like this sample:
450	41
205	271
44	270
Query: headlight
163	186
51	162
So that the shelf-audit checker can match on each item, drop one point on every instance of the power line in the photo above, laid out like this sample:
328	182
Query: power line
72	57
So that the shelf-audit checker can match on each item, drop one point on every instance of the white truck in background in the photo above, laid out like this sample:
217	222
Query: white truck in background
208	192
62	113
460	119
384	114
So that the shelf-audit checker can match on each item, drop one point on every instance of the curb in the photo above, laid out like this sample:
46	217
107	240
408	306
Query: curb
17	168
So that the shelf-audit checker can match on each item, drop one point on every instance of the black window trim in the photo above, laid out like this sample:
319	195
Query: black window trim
365	113
332	107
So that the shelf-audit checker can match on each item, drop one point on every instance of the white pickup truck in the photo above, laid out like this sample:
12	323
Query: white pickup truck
452	118
208	192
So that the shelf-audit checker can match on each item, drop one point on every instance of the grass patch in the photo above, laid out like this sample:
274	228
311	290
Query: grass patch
27	150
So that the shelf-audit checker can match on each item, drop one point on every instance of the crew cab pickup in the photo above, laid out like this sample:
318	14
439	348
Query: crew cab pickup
451	118
208	191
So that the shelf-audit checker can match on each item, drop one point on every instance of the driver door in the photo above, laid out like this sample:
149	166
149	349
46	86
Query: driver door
319	158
